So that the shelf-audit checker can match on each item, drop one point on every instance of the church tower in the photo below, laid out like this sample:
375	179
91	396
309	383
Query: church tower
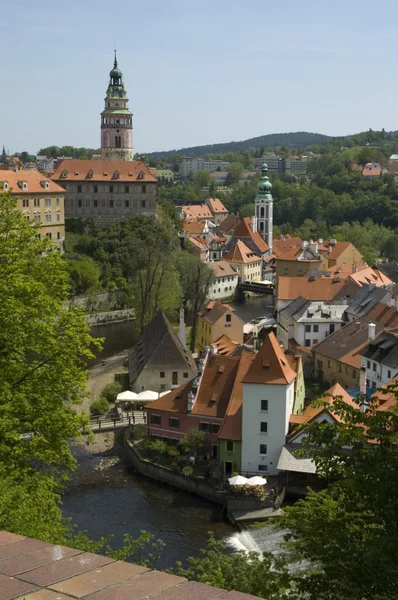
116	120
264	207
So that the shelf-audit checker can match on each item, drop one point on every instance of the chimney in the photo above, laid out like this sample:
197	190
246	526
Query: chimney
181	330
332	242
254	224
371	332
192	395
191	398
355	269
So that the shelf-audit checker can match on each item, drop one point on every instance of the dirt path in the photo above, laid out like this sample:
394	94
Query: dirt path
100	376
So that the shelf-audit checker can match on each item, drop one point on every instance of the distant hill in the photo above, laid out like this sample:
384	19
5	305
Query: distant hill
299	139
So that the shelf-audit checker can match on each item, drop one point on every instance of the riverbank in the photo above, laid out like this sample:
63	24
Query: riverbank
100	375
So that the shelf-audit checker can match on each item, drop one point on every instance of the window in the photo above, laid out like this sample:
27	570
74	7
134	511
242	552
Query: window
37	218
111	189
228	318
57	201
315	341
174	378
346	370
36	202
214	428
95	203
367	383
263	467
126	203
354	373
79	203
340	369
156	420
307	343
186	375
143	189
319	363
329	364
79	189
58	218
95	189
126	189
48	218
389	374
174	422
368	364
308	328
374	366
204	426
25	202
264	404
47	202
143	204
263	427
263	448
230	446
58	235
331	328
111	203
49	235
316	328
162	374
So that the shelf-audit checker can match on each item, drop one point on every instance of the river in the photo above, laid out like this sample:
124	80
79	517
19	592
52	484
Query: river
125	502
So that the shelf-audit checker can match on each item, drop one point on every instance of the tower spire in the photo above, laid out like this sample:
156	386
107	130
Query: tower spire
115	61
264	207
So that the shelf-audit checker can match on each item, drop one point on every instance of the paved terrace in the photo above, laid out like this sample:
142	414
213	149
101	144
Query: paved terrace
35	570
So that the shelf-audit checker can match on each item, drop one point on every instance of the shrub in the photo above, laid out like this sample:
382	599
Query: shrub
187	471
172	451
111	390
194	441
99	407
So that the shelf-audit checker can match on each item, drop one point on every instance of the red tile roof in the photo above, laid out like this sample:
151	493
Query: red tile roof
35	182
104	170
214	310
197	211
193	226
240	253
290	288
270	365
216	206
288	248
244	230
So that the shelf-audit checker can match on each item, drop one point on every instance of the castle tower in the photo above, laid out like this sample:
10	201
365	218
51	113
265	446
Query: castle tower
264	207
116	120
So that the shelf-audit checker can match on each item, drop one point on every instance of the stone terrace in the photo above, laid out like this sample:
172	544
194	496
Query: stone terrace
35	570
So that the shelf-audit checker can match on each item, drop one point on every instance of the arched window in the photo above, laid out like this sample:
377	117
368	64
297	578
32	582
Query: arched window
261	226
262	211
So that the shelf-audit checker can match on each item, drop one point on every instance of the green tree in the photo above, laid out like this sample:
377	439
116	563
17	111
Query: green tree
44	344
203	179
354	521
194	441
111	390
235	171
85	276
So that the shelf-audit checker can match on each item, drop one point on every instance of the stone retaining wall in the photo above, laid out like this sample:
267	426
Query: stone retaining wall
114	316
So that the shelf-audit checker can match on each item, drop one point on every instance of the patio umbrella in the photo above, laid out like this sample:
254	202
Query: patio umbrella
148	395
237	480
127	395
164	393
256	480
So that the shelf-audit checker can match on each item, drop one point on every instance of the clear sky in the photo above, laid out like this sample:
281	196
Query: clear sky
196	72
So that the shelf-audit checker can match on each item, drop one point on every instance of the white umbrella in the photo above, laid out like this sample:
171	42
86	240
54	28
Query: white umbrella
256	480
148	395
127	395
237	480
164	393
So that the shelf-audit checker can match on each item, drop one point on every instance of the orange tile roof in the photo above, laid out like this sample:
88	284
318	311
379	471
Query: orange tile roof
216	206
386	396
244	230
225	346
228	225
270	365
104	170
231	428
198	242
194	226
222	268
369	275
290	288
214	310
33	180
289	247
240	253
197	211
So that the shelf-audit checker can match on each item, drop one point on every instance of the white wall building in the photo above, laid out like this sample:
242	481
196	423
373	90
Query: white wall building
189	164
225	282
380	357
268	401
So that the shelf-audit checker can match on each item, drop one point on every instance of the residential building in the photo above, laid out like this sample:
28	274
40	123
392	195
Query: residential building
225	280
216	319
269	398
380	357
362	300
165	175
246	232
246	262
308	322
390	269
196	228
227	227
44	164
276	164
40	200
218	210
372	170
338	357
201	212
159	361
310	288
216	246
224	346
189	164
220	177
106	191
116	120
199	246
295	165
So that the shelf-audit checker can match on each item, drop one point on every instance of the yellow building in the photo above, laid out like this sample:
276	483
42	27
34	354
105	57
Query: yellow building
40	200
215	320
245	262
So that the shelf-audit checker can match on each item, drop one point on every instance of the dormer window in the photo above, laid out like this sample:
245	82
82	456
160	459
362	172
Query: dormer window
90	173
116	175
45	184
141	175
4	186
65	173
23	185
